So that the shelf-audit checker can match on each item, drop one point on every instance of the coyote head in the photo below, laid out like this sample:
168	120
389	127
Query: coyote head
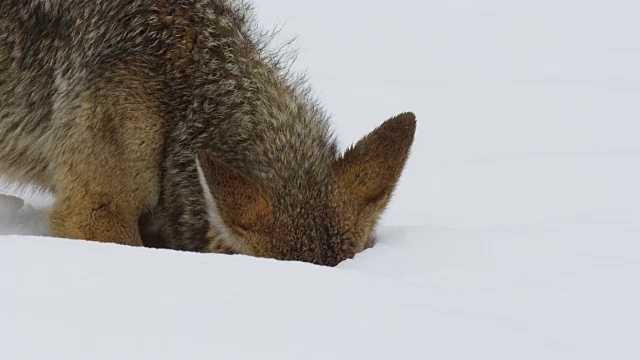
324	223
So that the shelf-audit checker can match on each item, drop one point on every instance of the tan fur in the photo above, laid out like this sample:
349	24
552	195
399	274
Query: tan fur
106	176
243	202
167	123
325	228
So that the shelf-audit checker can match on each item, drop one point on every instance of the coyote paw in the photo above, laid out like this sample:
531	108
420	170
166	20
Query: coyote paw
20	218
9	206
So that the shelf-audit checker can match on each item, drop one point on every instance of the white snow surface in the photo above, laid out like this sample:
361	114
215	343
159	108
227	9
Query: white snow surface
514	233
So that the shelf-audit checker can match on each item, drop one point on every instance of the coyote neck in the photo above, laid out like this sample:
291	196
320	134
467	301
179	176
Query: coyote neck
238	102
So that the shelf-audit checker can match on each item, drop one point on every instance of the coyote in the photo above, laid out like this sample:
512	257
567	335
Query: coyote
169	123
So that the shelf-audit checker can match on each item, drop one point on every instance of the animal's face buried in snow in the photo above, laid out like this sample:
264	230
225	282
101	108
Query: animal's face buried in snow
109	106
322	222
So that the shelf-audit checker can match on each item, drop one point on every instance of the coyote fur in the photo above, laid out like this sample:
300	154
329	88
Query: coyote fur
169	123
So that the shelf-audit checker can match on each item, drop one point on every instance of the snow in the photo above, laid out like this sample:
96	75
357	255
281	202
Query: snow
513	234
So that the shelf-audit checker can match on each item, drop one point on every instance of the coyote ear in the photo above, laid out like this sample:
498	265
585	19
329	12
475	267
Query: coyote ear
370	170
239	199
